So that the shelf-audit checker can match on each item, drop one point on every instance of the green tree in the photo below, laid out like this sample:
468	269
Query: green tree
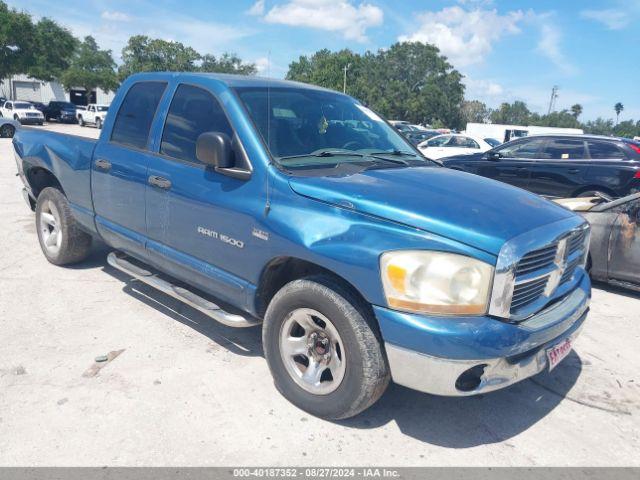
516	113
54	48
474	111
144	54
16	41
409	81
91	68
618	107
227	63
599	126
576	110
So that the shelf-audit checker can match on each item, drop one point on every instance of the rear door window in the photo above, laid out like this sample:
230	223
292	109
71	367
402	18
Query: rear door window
133	122
564	149
193	111
604	150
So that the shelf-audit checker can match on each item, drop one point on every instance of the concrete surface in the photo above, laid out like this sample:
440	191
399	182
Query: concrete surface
186	391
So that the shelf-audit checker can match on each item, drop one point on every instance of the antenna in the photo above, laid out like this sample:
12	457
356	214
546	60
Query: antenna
267	172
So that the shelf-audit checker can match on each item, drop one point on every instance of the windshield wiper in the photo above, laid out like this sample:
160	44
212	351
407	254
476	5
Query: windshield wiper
324	153
395	153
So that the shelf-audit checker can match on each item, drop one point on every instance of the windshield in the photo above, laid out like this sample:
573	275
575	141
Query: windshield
22	106
67	105
492	141
311	125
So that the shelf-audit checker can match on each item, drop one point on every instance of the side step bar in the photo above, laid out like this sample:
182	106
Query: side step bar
119	261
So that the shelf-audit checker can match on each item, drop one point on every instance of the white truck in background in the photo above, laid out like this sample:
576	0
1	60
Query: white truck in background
93	115
504	133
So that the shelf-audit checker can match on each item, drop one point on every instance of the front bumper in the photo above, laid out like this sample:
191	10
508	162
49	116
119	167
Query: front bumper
455	356
30	120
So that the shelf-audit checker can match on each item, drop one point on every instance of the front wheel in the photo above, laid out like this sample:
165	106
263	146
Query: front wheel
99	123
61	239
323	349
81	121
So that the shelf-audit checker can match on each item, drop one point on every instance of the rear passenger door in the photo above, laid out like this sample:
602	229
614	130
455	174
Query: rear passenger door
199	221
119	170
561	167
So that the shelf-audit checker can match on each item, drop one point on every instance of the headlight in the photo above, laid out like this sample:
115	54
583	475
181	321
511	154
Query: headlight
436	282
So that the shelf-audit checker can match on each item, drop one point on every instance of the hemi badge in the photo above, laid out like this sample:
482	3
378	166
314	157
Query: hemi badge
261	234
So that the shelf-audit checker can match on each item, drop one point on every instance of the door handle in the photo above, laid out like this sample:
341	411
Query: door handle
574	170
159	182
103	164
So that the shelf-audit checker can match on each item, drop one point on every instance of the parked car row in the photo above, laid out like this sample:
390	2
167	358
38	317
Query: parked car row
35	113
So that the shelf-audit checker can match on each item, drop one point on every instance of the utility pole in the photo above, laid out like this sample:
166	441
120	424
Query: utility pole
344	82
552	101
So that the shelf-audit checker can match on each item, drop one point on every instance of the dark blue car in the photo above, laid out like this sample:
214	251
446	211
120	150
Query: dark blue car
560	165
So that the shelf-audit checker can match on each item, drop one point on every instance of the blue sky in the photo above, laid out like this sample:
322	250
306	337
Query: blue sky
507	50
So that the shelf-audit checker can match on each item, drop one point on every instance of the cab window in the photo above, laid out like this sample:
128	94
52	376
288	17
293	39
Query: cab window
438	141
193	111
133	122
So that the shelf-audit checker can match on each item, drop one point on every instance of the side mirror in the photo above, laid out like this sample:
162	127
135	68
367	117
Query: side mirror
493	156
214	148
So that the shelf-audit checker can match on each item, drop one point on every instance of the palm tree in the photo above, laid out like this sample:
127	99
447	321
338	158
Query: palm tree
618	107
576	110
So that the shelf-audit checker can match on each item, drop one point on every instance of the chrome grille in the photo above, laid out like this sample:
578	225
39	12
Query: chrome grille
537	259
540	272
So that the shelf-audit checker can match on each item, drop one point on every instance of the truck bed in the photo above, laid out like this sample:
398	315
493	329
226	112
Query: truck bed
67	157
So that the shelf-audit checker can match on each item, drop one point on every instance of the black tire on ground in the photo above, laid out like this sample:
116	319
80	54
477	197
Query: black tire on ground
75	243
366	375
81	121
7	130
99	123
16	118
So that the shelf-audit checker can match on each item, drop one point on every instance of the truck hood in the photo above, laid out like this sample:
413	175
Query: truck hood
467	208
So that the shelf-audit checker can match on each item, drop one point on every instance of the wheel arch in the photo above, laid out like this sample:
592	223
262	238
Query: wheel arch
284	269
40	178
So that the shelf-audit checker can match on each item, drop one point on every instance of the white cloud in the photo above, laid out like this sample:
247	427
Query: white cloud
263	64
485	89
351	20
466	37
115	16
613	19
549	46
256	9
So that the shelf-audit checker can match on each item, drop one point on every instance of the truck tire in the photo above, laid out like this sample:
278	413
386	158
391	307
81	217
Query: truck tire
7	130
81	121
99	123
61	240
323	349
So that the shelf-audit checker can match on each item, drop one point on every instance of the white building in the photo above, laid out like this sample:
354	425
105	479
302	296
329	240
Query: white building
504	133
21	87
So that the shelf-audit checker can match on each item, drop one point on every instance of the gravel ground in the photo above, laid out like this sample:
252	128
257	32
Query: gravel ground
186	391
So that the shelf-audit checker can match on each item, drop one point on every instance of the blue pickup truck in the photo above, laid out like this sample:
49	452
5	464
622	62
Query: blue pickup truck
267	201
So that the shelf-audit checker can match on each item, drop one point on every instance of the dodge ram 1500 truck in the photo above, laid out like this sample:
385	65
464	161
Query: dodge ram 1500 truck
257	200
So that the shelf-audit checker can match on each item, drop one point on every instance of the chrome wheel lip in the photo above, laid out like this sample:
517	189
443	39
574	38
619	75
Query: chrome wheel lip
309	378
50	228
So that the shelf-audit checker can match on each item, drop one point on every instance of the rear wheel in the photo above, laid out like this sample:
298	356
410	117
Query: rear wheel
323	350
61	239
7	130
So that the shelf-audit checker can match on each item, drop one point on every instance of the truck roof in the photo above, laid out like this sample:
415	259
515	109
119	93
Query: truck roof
230	80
